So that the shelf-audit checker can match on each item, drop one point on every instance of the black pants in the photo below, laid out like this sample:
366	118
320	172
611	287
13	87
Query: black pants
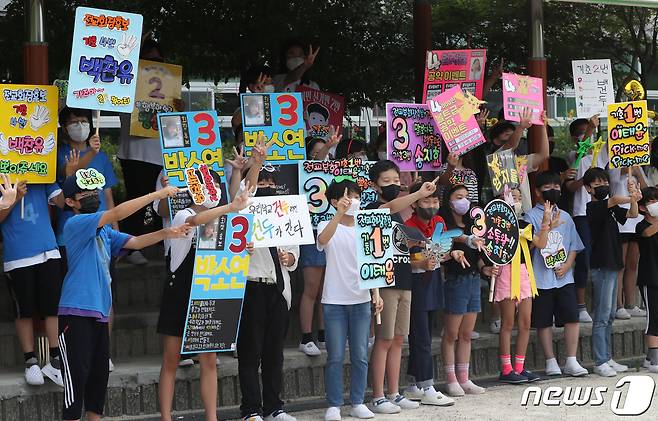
420	364
84	345
140	178
262	333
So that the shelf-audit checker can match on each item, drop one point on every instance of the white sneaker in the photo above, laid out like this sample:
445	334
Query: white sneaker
413	393
574	369
361	411
552	368
253	418
322	345
584	317
403	402
136	258
33	375
494	326
646	363
432	396
604	370
310	349
280	416
454	390
110	365
619	368
384	406
471	388
186	362
636	312
622	314
53	374
475	335
332	414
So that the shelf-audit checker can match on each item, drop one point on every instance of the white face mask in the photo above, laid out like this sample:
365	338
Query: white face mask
381	155
652	208
356	203
209	203
294	62
78	132
269	89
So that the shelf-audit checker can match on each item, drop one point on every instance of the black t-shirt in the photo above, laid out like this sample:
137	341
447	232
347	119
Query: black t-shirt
606	246
452	267
401	269
647	270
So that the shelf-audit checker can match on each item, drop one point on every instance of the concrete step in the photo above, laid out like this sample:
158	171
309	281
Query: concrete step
133	386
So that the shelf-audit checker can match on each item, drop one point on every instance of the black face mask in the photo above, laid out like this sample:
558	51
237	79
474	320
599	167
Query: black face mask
390	192
90	204
552	195
426	213
601	192
265	191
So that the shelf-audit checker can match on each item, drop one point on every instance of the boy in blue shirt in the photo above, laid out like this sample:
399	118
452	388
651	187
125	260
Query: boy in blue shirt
85	302
553	266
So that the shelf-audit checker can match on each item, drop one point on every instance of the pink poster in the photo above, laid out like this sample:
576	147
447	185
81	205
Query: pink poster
447	68
322	110
412	138
522	91
453	112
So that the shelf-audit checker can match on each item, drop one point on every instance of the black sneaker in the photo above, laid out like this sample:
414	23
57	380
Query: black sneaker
532	377
512	378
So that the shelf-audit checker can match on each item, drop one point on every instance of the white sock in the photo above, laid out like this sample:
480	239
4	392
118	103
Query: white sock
571	360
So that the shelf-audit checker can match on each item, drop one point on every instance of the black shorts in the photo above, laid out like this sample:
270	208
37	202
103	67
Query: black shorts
84	345
36	289
113	265
627	237
556	302
175	298
650	297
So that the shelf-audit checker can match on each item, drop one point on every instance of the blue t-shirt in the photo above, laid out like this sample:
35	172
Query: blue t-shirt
88	249
100	163
562	240
33	234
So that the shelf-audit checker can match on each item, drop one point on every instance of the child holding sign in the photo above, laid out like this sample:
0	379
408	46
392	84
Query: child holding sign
84	306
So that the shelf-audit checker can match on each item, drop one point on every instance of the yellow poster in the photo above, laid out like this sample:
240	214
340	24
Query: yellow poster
158	84
628	134
28	132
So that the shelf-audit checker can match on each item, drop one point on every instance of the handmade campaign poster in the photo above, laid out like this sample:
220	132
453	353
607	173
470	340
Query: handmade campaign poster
519	92
453	111
221	263
503	170
280	221
498	225
278	117
158	84
322	111
374	248
447	68
554	254
104	60
628	134
28	133
592	83
316	176
413	141
191	153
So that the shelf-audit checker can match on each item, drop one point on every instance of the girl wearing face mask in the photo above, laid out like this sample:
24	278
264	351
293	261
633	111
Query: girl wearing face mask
462	292
294	62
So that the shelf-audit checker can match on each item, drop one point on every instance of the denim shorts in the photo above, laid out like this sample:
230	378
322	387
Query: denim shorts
309	255
462	294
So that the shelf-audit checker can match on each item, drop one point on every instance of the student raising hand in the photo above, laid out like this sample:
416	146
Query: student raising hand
8	192
343	204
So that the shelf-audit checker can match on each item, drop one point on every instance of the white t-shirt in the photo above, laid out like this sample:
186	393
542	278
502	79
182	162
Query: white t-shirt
279	80
137	148
581	198
166	222
619	187
341	277
179	247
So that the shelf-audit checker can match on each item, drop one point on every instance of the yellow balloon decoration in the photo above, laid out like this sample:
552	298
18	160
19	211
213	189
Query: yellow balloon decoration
634	90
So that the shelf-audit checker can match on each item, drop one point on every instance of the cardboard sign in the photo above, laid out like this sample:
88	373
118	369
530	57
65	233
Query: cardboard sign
628	134
503	170
412	138
280	221
322	110
191	152
447	68
104	60
28	132
315	177
221	264
374	251
453	111
554	254
522	91
278	117
158	84
498	225
592	83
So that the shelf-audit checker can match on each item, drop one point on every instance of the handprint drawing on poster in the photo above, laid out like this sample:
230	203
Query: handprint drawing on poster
554	254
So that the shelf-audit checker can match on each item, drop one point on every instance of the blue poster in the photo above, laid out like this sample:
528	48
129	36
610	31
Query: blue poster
374	248
104	60
221	264
280	118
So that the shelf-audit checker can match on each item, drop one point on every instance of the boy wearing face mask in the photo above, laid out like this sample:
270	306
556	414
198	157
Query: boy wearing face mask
603	215
553	268
84	306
